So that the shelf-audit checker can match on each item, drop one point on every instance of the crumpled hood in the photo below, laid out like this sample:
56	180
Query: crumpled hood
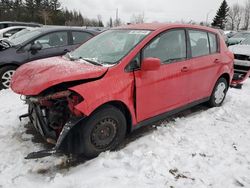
240	49
34	77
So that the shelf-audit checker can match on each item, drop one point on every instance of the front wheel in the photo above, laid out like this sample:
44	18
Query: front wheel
103	131
6	74
219	93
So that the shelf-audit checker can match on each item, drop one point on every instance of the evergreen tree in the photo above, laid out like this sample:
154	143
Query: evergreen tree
30	8
44	12
55	5
221	16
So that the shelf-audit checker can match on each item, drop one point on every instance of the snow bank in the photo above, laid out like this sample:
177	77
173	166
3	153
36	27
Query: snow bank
200	148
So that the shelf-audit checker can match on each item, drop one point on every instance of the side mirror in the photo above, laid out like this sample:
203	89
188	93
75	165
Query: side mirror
150	64
36	47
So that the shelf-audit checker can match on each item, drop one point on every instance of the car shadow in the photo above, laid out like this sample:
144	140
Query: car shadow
73	160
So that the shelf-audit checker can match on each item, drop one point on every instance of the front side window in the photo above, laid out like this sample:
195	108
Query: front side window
199	43
53	40
168	47
109	47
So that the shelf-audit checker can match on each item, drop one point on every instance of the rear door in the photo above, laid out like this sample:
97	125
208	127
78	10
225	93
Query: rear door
205	63
53	44
167	88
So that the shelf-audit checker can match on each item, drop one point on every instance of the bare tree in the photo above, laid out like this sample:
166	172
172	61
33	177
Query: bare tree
235	16
246	15
138	19
117	22
46	14
99	19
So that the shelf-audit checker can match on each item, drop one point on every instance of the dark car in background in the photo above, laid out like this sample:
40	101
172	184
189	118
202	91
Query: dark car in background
10	24
37	44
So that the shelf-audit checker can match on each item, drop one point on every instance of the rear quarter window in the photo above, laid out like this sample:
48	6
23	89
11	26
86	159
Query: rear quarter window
213	43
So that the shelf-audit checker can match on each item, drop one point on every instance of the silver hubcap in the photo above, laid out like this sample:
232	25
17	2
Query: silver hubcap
6	78
220	93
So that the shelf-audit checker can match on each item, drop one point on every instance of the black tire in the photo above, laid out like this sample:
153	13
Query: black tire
6	72
107	123
217	96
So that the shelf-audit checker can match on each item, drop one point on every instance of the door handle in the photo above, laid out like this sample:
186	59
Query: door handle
184	69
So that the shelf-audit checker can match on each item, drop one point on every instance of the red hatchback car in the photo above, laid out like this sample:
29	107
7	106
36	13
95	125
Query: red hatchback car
88	100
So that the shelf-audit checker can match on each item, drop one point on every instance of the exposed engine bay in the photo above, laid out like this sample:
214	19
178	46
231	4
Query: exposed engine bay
53	115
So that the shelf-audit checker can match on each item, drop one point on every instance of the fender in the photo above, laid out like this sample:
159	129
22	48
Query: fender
223	70
123	92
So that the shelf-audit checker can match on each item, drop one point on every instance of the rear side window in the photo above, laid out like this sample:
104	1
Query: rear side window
213	43
199	43
80	37
168	47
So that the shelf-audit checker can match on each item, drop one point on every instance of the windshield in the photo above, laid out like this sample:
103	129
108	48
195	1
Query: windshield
18	34
24	37
109	47
241	35
246	42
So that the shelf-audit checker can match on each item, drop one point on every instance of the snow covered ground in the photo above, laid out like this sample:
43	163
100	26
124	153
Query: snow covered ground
199	148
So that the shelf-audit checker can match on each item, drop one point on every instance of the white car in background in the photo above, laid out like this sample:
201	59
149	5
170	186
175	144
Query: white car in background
22	32
9	31
241	59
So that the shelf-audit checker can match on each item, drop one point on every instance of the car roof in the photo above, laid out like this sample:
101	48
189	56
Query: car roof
161	26
47	29
11	22
13	27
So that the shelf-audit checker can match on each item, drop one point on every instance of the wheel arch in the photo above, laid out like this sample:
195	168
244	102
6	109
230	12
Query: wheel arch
227	77
9	64
123	108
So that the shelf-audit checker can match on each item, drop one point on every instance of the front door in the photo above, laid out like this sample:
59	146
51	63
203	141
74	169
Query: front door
166	88
53	44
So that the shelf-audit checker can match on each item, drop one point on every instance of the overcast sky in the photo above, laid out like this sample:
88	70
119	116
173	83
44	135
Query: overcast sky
154	10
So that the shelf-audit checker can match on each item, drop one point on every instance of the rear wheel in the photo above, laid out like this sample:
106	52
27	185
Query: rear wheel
6	74
103	131
219	93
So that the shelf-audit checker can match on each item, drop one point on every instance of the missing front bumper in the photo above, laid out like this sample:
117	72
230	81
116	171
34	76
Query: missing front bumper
72	122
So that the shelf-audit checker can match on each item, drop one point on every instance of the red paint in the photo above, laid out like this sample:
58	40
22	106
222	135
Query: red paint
33	78
150	64
161	89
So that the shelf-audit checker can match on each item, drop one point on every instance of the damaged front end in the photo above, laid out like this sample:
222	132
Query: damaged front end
54	116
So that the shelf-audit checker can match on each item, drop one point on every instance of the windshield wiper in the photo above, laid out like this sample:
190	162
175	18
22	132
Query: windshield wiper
91	61
72	58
